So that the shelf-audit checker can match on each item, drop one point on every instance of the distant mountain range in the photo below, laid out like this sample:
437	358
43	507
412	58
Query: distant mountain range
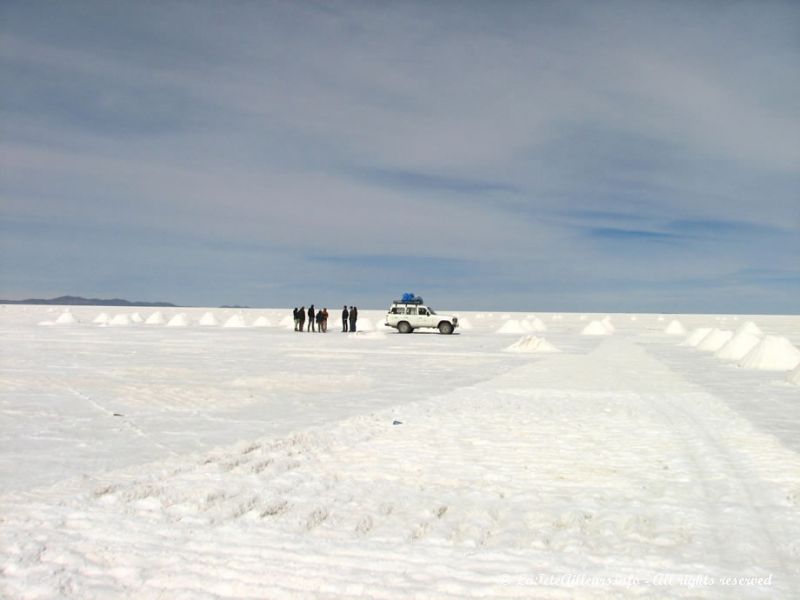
78	301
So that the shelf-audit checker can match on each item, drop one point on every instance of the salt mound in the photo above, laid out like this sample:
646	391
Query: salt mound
606	321
101	319
738	346
675	327
66	318
464	324
287	322
155	319
511	326
794	376
235	321
120	320
178	320
526	325
634	318
537	324
715	340
262	322
596	328
532	344
696	336
773	353
136	318
208	320
749	327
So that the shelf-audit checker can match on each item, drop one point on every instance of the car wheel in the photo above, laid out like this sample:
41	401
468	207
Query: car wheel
404	327
445	327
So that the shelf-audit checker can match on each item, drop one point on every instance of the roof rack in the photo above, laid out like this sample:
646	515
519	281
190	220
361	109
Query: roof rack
415	301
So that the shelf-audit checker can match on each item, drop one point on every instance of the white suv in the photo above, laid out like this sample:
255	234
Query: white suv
408	316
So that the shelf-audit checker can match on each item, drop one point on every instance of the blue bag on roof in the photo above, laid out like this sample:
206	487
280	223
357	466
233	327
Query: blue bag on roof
408	297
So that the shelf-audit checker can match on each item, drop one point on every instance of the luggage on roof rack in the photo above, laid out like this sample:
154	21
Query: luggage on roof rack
409	298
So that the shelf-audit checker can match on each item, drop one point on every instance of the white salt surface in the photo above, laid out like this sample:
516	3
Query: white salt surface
596	328
715	340
537	325
150	462
464	324
773	353
675	327
532	344
794	376
696	336
738	346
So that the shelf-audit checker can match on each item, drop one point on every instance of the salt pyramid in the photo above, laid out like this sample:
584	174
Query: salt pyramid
66	318
235	321
794	376
511	326
596	328
101	319
675	327
749	327
606	321
738	346
208	320
120	320
287	322
773	353
155	319
696	336
262	322
715	340
136	318
532	344
179	320
537	324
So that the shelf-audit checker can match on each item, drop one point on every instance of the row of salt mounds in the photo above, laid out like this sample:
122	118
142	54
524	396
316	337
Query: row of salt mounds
235	321
696	336
136	318
208	320
715	340
773	353
532	344
102	319
121	320
155	319
747	337
511	326
262	322
794	376
675	327
596	328
179	320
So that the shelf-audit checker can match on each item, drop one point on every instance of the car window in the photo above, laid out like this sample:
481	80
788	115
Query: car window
399	310
411	310
422	311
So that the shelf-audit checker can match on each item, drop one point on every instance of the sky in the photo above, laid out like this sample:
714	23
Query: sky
626	156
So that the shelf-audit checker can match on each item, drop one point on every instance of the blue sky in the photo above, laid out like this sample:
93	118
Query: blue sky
586	156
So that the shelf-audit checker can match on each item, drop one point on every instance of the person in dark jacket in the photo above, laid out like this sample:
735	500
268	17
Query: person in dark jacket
301	318
296	318
345	316
320	319
353	318
311	317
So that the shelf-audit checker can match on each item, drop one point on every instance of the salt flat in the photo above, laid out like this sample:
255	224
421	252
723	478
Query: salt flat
152	461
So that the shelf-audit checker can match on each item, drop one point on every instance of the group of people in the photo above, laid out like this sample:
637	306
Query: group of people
318	319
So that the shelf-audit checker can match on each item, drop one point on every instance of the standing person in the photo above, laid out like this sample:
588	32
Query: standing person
353	318
296	318
301	318
345	316
311	317
320	316
324	320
